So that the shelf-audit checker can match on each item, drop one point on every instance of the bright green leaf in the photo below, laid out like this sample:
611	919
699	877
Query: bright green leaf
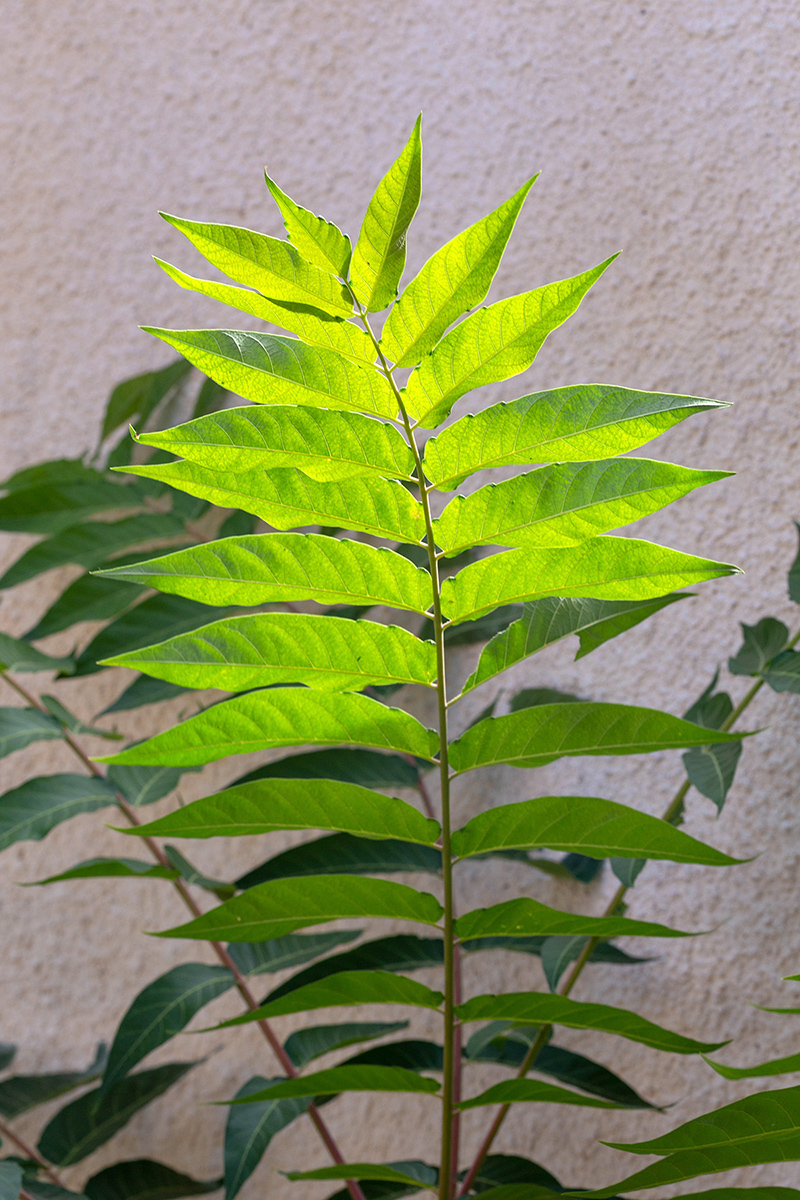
540	735
346	988
525	917
282	717
284	905
493	344
111	868
347	1079
450	283
359	1171
267	568
582	824
317	240
776	1066
512	1091
570	424
401	952
380	252
606	568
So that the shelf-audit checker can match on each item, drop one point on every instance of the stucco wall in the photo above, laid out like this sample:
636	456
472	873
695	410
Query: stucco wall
666	129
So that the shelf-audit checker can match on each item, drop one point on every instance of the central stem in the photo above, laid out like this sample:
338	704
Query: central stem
448	1168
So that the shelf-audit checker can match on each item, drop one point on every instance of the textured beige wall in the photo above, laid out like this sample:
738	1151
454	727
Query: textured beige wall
668	129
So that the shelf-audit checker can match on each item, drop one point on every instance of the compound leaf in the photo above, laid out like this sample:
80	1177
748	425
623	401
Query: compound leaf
282	717
570	424
269	568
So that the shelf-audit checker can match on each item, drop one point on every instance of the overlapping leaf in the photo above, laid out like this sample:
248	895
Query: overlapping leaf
367	768
156	617
278	804
582	824
16	655
525	917
536	736
89	598
401	952
514	1091
318	240
251	1127
346	854
269	368
605	568
492	344
291	950
20	727
324	445
359	1078
326	653
276	567
304	1045
267	264
450	283
544	622
144	1179
20	1093
282	717
570	424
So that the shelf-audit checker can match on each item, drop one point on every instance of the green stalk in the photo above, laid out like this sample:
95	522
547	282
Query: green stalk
448	1168
672	810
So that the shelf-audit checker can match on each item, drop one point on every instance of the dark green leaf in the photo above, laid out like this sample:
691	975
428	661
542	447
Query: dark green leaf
402	952
19	656
379	255
291	950
711	769
361	1170
345	989
605	952
89	598
190	873
413	1055
284	905
285	566
556	954
541	1009
144	785
305	1045
527	917
111	868
627	870
537	736
762	642
143	1179
342	852
282	717
145	691
161	1010
10	1180
794	575
543	622
513	1091
7	1052
20	1093
374	1189
499	1169
783	673
366	768
158	616
19	727
599	828
53	508
347	1079
74	724
250	1129
570	424
83	1125
30	811
582	867
531	697
139	396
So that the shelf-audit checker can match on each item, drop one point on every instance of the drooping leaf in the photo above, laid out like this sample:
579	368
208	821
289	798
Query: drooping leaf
526	917
542	1009
402	952
606	568
286	498
600	828
367	768
190	874
762	642
540	735
278	804
565	503
111	868
493	344
16	655
312	326
340	853
627	870
74	724
570	424
324	445
141	395
557	954
316	239
20	1093
513	1091
20	727
346	988
30	811
291	950
83	1125
49	509
269	368
144	785
544	622
327	653
162	1009
282	717
156	617
266	264
379	255
251	1127
787	1065
304	1045
286	566
450	283
144	1179
89	598
284	905
783	673
91	544
346	1079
